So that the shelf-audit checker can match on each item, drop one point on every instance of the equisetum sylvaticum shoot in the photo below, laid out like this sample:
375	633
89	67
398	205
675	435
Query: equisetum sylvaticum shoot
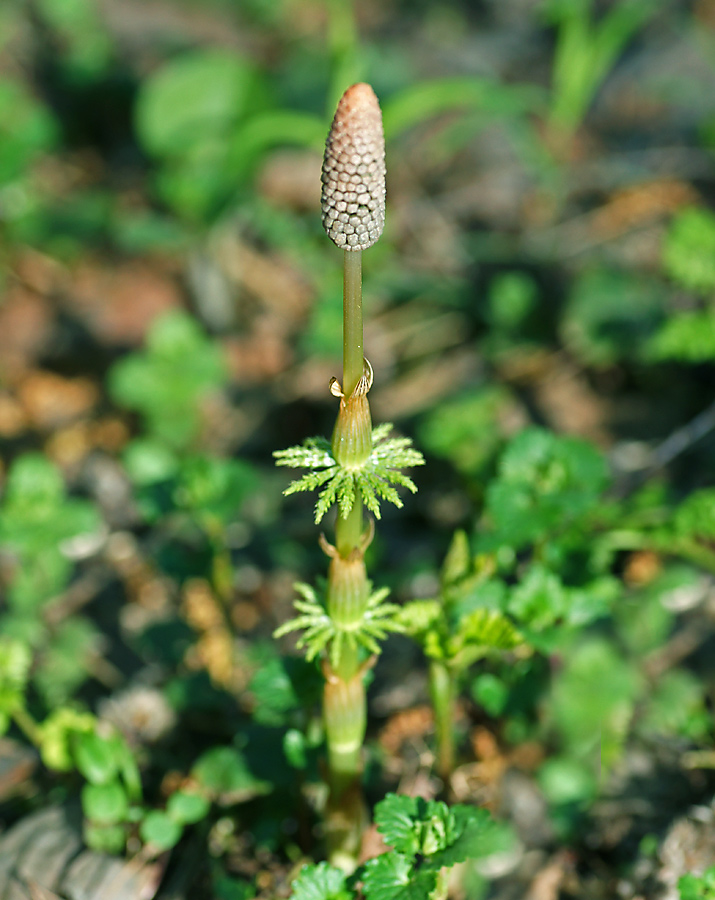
355	470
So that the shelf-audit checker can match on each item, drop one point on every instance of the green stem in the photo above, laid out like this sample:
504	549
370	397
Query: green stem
348	531
352	320
443	694
345	820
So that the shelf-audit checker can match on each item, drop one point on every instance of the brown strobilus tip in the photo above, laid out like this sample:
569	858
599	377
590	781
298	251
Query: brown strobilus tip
353	196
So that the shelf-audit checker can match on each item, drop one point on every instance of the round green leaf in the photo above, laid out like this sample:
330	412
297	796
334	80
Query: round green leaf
105	804
186	808
159	830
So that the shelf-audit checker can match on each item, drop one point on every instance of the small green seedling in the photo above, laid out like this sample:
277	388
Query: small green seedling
453	638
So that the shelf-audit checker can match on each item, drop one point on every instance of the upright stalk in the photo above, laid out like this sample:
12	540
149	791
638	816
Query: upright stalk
348	531
344	628
352	320
344	700
442	694
353	215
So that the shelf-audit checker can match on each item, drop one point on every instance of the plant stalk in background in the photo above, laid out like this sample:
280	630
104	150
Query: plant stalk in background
355	470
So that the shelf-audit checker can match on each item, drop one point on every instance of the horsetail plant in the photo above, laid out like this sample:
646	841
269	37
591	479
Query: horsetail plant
359	467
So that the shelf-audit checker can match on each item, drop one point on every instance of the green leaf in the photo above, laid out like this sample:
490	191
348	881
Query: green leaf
372	481
477	836
281	686
198	96
466	429
698	887
105	804
420	102
396	818
539	600
160	831
610	314
544	483
227	888
186	807
321	882
392	876
169	380
27	129
58	736
688	337
593	699
689	250
420	616
490	692
63	665
294	748
214	487
695	517
483	630
149	461
676	707
95	757
566	780
36	519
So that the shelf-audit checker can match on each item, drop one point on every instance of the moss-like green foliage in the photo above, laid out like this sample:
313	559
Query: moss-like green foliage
372	482
319	629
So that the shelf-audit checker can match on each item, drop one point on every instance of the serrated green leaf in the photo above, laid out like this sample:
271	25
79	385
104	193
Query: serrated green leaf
477	836
482	631
396	818
321	882
392	876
